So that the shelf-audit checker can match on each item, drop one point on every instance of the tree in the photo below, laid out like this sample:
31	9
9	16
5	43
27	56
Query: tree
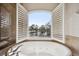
32	29
48	29
42	30
36	30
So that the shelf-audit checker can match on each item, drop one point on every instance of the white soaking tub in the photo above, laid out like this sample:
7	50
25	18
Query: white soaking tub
39	48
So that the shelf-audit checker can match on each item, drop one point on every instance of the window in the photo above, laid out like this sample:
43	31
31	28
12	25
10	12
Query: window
39	23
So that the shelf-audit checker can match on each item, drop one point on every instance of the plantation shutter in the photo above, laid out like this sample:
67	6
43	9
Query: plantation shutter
58	23
22	23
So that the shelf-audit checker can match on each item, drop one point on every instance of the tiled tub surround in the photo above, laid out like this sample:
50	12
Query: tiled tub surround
39	48
7	25
73	43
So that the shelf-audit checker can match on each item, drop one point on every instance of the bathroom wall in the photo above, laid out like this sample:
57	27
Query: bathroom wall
11	9
72	26
72	19
8	18
13	22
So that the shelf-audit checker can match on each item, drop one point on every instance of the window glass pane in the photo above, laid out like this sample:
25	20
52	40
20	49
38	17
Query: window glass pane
39	23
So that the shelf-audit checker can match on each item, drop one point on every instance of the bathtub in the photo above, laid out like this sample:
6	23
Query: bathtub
39	48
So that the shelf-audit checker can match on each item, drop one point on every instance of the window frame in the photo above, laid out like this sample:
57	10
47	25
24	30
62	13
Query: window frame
42	38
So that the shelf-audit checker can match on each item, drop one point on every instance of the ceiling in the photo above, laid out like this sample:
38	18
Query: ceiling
40	6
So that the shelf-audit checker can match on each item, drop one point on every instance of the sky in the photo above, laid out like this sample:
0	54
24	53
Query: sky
39	18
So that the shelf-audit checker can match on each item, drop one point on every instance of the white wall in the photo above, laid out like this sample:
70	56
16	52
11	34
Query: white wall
72	19
72	27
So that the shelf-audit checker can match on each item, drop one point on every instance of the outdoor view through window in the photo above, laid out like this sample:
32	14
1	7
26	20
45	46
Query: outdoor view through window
39	23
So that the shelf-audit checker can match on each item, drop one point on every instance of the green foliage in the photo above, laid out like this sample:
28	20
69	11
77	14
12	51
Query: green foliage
43	30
